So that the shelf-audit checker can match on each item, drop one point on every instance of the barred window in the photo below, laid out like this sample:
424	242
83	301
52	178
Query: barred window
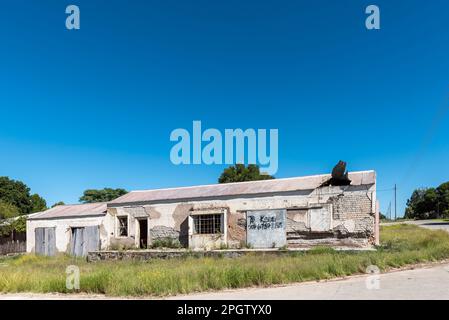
207	224
123	226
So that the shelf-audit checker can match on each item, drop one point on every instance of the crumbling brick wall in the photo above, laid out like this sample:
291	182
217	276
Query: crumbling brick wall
236	225
352	220
351	206
354	208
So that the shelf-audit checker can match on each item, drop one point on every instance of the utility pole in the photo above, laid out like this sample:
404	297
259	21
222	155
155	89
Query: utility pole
395	203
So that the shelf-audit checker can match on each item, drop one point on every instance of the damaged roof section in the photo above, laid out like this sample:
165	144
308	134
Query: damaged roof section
339	176
70	211
239	188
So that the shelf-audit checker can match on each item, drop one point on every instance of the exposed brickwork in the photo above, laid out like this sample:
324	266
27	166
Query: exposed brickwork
236	229
163	232
351	206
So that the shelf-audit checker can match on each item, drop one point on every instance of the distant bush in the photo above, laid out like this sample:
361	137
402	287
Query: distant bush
321	250
166	243
223	246
429	203
283	248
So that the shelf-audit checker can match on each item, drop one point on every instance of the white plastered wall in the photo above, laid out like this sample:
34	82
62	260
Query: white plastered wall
63	230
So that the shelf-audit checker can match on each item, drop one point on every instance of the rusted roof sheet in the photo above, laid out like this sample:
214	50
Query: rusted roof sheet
238	188
73	210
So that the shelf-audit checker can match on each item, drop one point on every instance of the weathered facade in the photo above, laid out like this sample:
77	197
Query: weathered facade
294	212
73	229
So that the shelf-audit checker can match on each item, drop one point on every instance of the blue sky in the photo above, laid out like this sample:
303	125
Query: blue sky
94	107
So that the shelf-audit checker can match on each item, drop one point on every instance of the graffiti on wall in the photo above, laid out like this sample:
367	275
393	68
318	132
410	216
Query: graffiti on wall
266	228
264	222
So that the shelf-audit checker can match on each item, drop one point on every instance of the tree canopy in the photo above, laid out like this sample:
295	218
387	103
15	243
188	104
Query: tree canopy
38	203
15	201
8	210
429	203
103	195
17	193
240	173
443	198
59	203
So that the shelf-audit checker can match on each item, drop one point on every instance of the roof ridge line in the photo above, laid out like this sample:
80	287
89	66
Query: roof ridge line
245	182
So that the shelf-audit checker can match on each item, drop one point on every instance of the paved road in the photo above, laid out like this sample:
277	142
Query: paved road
424	283
429	224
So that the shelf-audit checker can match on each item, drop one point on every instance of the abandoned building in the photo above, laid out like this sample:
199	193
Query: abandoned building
296	212
73	229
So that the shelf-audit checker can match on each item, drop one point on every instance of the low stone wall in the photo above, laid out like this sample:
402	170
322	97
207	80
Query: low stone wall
143	255
167	254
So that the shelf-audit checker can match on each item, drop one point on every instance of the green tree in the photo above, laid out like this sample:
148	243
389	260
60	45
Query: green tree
8	210
240	173
422	204
103	195
16	193
443	199
19	224
60	203
38	203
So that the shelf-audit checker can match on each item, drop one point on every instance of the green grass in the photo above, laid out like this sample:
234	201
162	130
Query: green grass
166	243
400	245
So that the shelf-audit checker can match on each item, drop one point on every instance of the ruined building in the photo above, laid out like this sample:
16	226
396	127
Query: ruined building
296	212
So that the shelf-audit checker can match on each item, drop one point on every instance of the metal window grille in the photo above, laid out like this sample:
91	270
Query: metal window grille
123	226
207	223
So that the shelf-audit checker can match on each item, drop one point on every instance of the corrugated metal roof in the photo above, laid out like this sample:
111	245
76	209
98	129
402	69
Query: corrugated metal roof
238	188
73	210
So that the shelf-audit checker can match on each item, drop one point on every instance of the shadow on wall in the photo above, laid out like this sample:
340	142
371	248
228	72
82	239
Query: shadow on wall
184	233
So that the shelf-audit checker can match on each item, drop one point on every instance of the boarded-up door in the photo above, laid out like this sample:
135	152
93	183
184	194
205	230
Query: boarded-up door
266	228
45	241
320	219
84	240
77	242
92	236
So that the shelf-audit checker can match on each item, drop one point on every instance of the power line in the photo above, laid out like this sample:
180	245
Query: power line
428	136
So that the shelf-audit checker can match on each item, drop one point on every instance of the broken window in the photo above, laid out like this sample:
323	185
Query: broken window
207	224
123	226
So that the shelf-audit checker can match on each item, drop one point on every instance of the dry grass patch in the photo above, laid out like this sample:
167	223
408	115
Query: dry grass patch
400	245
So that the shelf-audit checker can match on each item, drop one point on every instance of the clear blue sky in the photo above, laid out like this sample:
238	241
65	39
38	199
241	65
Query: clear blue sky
94	108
